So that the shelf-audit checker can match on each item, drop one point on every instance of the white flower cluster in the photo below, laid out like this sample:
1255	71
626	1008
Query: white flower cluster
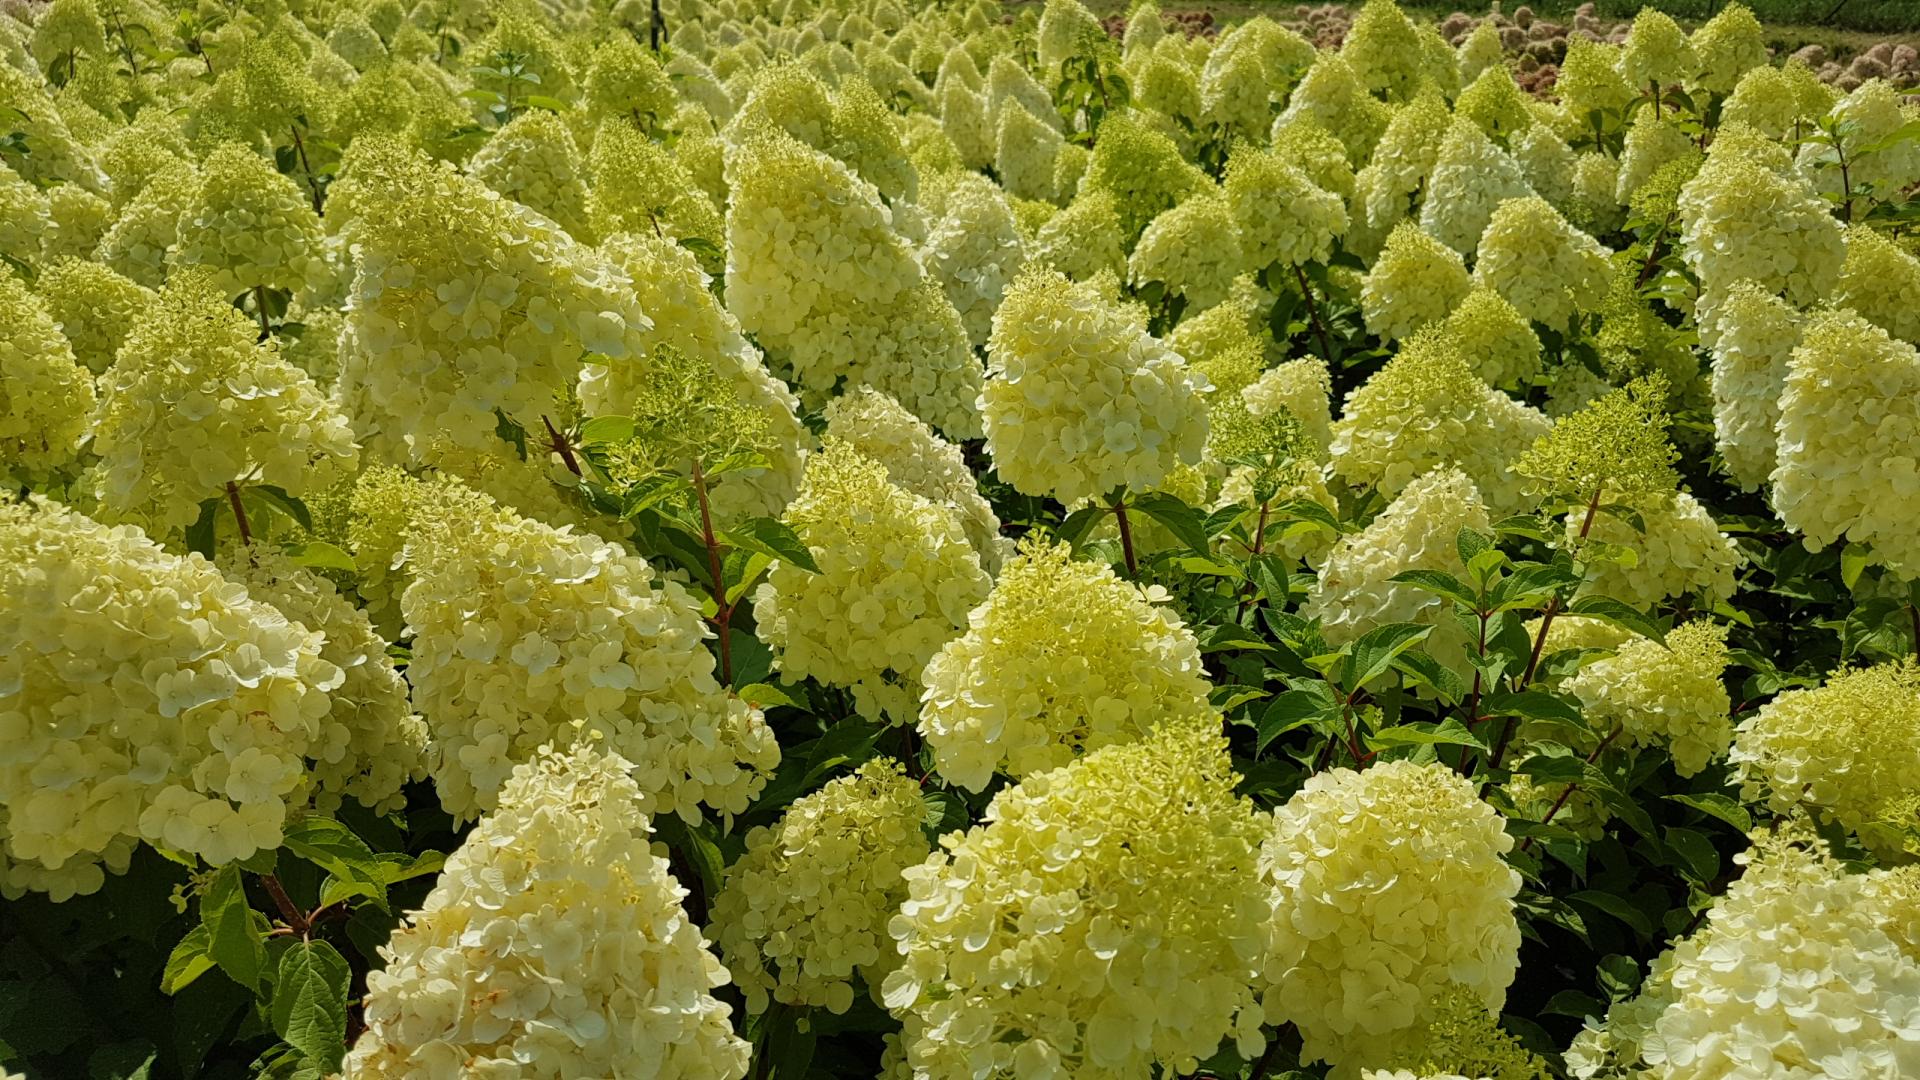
1416	280
248	224
919	462
143	696
1752	334
1680	551
1303	388
1388	888
1547	269
1849	439
1880	281
1082	399
45	395
1747	214
1849	750
1419	530
1283	217
1663	695
974	251
1104	917
554	944
897	578
1470	178
524	634
1497	340
807	905
1192	250
94	307
1062	658
194	403
534	162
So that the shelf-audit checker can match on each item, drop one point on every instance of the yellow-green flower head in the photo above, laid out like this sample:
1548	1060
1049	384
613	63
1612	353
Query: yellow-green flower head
370	744
920	462
807	905
963	114
700	87
193	403
1798	962
1302	388
150	699
1481	50
1282	216
1748	214
625	81
1471	178
1634	340
525	634
1385	50
1318	153
1849	439
1616	445
689	320
974	252
1143	170
77	219
816	272
1384	189
1145	28
1064	27
1426	409
1236	91
45	395
1657	52
1333	96
1063	658
1663	695
1591	203
25	218
1496	103
1105	917
1881	281
1495	338
1193	249
638	186
553	944
1167	85
1590	80
1418	530
1847	750
1728	45
788	97
897	578
1082	399
1010	85
1461	1038
1651	143
354	40
1416	280
1548	270
1083	239
1752	334
1881	162
524	29
248	224
57	154
868	136
137	243
465	304
1025	152
66	27
1681	551
94	307
1548	163
1388	886
1779	102
534	162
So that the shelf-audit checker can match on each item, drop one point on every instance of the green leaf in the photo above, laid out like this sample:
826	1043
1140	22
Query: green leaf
1533	704
1471	543
1373	654
278	498
309	1007
132	1060
332	847
605	429
848	742
1625	616
1225	636
772	537
200	533
768	696
1617	907
945	812
233	940
1440	583
1294	709
701	247
1719	806
191	958
1853	562
1695	851
1448	732
1078	524
1183	521
699	849
320	555
1307	510
1421	668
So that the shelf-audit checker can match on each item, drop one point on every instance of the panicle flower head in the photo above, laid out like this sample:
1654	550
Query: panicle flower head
808	904
1495	338
1752	334
194	403
534	162
1496	103
1652	144
1774	100
76	221
1282	215
1332	95
1663	695
1193	249
524	634
1727	45
1547	269
919	462
974	251
149	698
1143	170
1426	408
896	579
136	244
1082	399
638	186
625	81
1748	214
1881	281
1104	917
1471	178
1061	659
1303	389
1026	149
1389	890
1385	50
1848	750
1082	239
554	943
1590	80
94	307
1462	1038
248	224
1680	550
1416	280
1657	52
1848	460
45	395
1617	445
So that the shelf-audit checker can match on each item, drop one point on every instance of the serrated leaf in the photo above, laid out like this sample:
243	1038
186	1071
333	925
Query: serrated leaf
320	555
1617	907
768	696
848	742
1183	521
1293	709
1853	562
1625	616
1448	732
1470	543
278	498
1532	704
945	812
1718	806
772	537
1440	583
1372	655
191	958
333	847
233	941
309	1007
1230	636
605	429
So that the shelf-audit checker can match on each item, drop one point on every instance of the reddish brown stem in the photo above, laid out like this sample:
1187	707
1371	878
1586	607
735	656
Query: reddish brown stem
1259	540
289	910
1313	313
1567	792
561	447
1126	536
722	610
239	512
1540	639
